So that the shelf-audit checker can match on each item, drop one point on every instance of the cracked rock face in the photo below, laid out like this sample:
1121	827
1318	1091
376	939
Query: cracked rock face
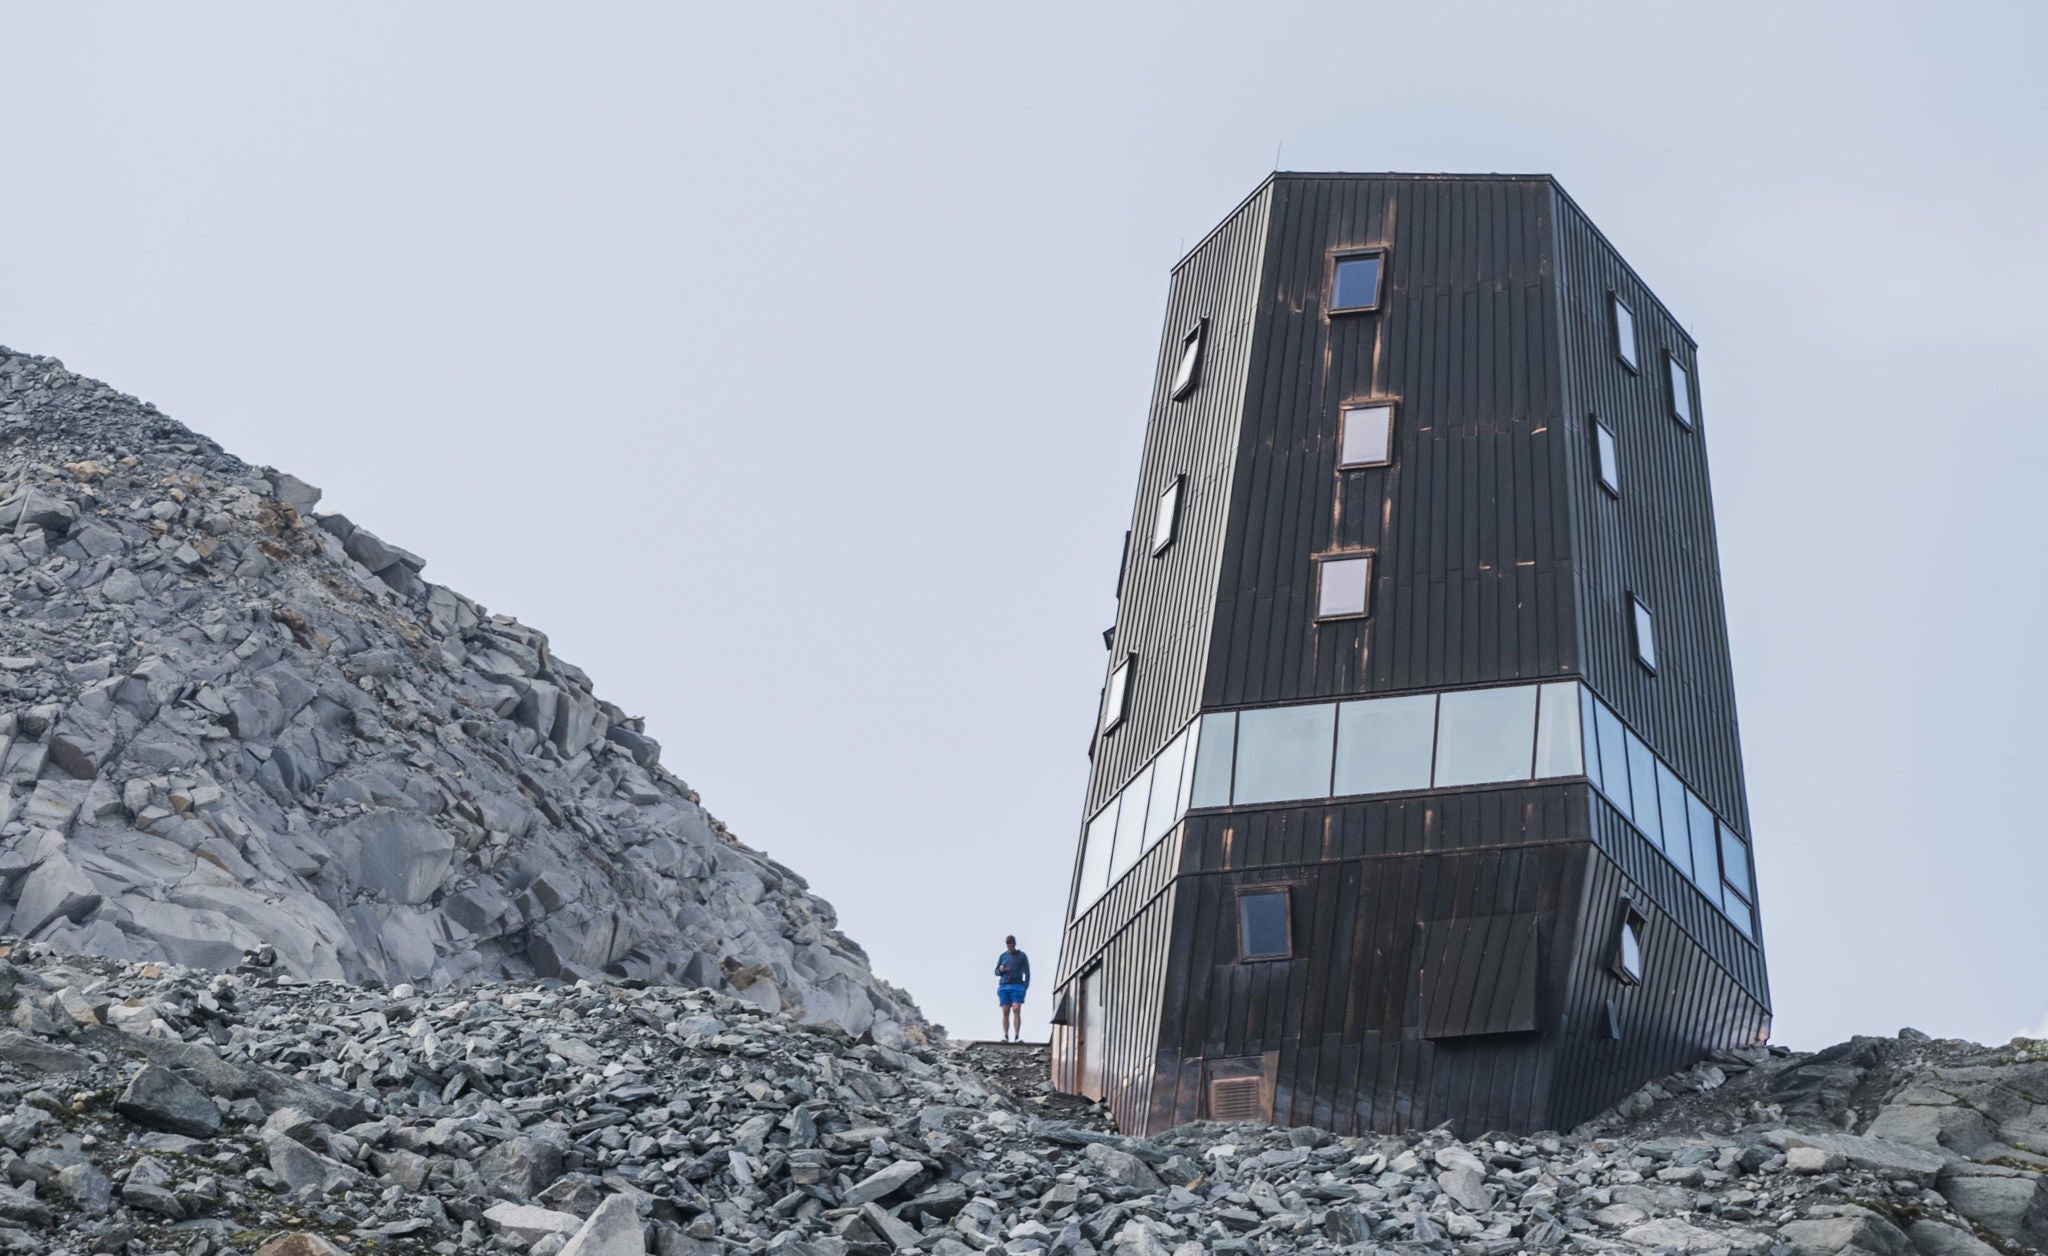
230	725
613	1120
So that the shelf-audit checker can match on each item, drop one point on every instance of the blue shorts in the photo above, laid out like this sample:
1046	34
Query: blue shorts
1008	995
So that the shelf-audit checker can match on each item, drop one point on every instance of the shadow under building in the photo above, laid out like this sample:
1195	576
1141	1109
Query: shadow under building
1416	793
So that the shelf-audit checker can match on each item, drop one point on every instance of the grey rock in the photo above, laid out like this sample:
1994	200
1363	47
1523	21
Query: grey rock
56	890
1122	1167
525	1224
1933	1238
1863	1232
302	1168
883	1182
520	1168
613	1230
160	1099
86	1187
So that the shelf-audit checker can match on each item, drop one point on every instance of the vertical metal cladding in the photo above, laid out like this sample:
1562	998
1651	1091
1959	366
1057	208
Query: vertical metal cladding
1471	581
1452	949
1163	615
1657	540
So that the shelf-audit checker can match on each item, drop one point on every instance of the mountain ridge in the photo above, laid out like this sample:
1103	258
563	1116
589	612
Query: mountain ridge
234	722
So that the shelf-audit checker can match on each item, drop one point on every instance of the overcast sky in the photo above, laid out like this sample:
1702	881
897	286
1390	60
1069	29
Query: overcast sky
788	366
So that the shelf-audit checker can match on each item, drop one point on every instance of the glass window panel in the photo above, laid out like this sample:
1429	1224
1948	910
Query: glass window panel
1642	770
1735	861
1284	753
1485	735
1366	436
1262	931
1212	761
1646	633
1130	825
1739	912
1706	865
1358	284
1385	744
1181	801
1624	332
1557	731
1118	693
1341	585
1166	785
1190	361
1610	457
1671	805
1632	950
1613	758
1681	392
1100	844
1589	725
1167	517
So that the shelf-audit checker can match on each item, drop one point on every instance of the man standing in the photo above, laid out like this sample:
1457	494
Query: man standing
1013	978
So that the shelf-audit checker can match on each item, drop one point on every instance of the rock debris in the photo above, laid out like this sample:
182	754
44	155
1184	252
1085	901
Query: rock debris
147	1108
231	725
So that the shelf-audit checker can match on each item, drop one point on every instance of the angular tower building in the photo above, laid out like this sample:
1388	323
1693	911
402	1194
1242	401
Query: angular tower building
1416	790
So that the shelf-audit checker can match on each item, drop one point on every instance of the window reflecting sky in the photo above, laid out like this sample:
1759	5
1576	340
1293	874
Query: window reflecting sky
317	234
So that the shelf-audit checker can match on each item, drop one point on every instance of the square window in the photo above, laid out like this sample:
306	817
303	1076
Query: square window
1484	736
1681	390
1116	699
1365	435
1610	458
1262	926
1645	632
1190	369
1356	284
1341	585
1385	744
1735	862
1283	753
1166	520
1628	944
1624	332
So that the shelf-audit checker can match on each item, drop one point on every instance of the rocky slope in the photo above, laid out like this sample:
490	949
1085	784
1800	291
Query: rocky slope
230	724
145	1109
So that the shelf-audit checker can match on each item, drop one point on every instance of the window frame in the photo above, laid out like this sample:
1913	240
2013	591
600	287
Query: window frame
1344	412
1197	337
1285	892
1379	280
1177	489
1600	452
1113	716
1615	308
1673	370
1365	607
1638	611
1630	918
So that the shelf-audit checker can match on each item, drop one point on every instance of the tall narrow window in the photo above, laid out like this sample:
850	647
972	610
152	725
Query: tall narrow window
1628	944
1356	284
1189	370
1262	927
1365	436
1116	699
1681	390
1645	632
1166	520
1341	585
1624	332
1609	456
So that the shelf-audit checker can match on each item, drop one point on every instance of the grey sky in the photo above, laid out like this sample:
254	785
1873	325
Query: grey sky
788	366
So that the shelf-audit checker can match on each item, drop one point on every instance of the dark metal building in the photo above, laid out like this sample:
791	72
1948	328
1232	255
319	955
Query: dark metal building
1416	790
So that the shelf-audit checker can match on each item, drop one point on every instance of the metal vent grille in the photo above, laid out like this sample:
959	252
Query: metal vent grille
1237	1099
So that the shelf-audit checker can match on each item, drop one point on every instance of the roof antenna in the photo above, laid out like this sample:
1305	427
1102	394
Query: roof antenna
1277	146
